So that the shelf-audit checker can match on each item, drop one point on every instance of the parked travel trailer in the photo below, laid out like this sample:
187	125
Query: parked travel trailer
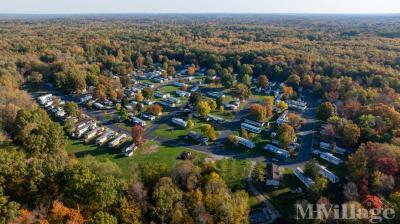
230	106
105	137
246	142
148	116
85	98
167	104
330	158
328	174
278	151
179	122
178	84
161	95
251	128
298	172
198	137
118	140
91	134
128	151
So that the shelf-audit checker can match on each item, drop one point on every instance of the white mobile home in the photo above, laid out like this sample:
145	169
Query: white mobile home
325	145
215	118
128	151
254	123
173	100
118	140
93	133
328	174
181	93
278	151
251	128
98	106
179	122
298	172
167	103
45	98
282	118
246	142
139	121
161	95
178	84
215	94
105	137
331	158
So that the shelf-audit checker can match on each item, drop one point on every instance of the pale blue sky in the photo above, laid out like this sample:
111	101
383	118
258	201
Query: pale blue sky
199	6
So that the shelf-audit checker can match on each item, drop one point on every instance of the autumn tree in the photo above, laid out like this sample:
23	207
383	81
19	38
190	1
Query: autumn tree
203	109
209	131
257	112
155	109
326	110
262	81
286	135
242	91
138	134
269	105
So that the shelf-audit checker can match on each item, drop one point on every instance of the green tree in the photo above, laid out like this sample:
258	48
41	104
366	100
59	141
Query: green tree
246	80
326	110
227	80
259	172
165	197
71	108
103	218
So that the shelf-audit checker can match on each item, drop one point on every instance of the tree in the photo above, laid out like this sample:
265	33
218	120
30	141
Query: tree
227	80
61	214
350	192
282	105
287	92
139	97
286	135
307	81
293	81
388	165
357	165
103	218
191	70
294	120
311	169
233	139
165	197
326	110
242	91
171	71
262	81
147	93
195	98
71	109
257	112
212	104
259	172
209	131
155	109
269	105
320	183
246	80
9	210
350	134
138	134
203	109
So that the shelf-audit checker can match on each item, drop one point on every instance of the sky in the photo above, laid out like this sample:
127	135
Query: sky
198	6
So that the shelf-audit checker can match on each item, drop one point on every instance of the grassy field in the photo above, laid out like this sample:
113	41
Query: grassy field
234	172
172	132
169	89
151	152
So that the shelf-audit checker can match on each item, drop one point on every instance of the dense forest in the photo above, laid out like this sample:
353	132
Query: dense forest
352	63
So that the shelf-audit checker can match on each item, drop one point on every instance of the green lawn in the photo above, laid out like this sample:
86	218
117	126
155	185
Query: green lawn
169	89
234	172
161	154
173	132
